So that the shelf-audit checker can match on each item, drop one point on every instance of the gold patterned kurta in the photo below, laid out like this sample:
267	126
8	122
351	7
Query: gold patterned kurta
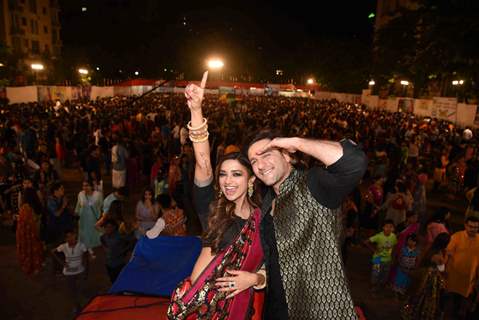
310	262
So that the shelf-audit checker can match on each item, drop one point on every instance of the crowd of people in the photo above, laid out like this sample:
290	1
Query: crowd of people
145	144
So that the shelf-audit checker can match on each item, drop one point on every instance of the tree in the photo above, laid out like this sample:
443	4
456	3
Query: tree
438	40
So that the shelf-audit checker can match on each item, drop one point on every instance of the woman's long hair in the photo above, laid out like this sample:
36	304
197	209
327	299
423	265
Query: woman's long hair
222	211
439	245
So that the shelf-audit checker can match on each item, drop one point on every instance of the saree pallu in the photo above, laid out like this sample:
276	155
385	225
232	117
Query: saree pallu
29	247
202	300
425	304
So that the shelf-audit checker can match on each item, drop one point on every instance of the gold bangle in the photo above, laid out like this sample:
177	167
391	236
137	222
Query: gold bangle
205	122
200	139
199	132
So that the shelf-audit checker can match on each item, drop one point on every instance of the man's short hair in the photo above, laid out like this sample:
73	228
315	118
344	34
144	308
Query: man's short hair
55	186
388	221
260	135
472	219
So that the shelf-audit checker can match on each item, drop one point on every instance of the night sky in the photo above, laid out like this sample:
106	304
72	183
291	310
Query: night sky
253	37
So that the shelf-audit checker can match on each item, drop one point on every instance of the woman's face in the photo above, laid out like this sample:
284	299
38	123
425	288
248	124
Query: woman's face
86	187
148	195
233	179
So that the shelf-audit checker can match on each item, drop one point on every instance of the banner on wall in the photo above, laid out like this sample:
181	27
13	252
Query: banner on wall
444	108
422	107
22	94
476	117
406	105
101	92
382	104
53	93
372	102
392	105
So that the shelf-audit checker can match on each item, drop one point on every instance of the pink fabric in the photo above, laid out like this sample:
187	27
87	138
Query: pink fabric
241	301
433	229
239	304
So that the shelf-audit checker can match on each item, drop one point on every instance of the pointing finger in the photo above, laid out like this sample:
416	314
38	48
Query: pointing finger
203	81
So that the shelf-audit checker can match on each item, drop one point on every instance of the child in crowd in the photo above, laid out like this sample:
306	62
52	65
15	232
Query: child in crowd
116	248
75	265
407	260
382	244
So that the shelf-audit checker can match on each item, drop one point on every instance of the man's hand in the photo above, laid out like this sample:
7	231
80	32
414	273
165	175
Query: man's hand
287	144
194	94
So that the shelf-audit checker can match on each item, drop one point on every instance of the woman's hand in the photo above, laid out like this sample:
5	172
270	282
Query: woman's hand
194	94
238	282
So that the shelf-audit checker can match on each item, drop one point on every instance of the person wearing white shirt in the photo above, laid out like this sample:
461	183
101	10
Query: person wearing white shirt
75	266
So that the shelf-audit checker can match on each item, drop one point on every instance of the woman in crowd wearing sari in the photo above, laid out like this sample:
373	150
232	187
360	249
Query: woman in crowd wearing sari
173	216
29	246
230	263
427	283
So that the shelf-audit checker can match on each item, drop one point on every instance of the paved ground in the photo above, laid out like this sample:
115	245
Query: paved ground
44	297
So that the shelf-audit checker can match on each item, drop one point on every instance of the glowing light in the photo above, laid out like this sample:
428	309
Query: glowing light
1	64
37	66
97	68
215	64
461	81
455	82
83	9
371	15
279	72
372	83
404	82
82	71
136	73
310	81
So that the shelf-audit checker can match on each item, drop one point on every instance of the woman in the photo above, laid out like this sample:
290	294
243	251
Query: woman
437	224
397	203
146	212
173	216
29	246
88	208
372	199
473	198
220	286
427	284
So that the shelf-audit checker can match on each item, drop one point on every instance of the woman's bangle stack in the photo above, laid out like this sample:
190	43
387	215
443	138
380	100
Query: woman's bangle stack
200	133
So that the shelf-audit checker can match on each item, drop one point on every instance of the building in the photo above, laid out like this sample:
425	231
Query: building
31	29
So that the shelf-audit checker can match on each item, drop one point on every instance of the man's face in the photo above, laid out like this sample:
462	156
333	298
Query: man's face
60	192
472	228
272	166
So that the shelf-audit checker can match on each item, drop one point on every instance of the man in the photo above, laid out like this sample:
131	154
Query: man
462	268
300	227
59	218
118	194
119	155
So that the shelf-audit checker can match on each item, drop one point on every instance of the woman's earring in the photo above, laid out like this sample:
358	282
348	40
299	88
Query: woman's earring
220	194
250	189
